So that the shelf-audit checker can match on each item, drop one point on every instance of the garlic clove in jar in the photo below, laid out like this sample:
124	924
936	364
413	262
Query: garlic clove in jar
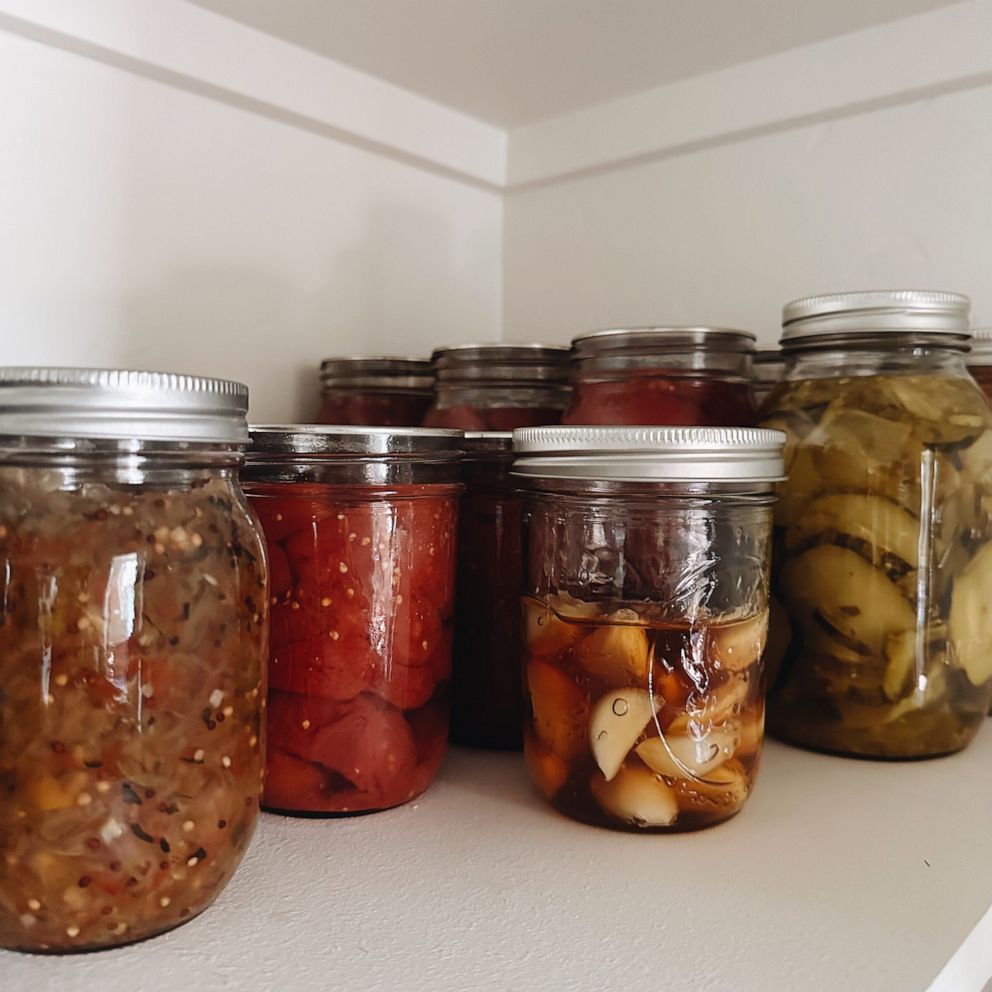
682	756
617	652
636	795
618	720
736	646
722	789
561	710
547	630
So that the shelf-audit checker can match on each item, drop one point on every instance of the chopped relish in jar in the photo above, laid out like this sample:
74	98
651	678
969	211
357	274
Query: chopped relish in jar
132	637
639	724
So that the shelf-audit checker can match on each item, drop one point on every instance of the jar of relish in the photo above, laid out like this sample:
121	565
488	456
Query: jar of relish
360	528
133	633
666	376
646	561
377	392
497	387
485	687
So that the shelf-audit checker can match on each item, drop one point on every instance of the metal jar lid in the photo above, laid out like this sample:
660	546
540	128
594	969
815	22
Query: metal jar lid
650	454
981	347
273	441
513	364
871	311
661	340
372	372
120	404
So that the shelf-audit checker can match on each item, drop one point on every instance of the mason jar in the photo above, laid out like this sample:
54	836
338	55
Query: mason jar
769	367
883	559
497	387
485	686
360	528
372	391
646	558
133	630
664	376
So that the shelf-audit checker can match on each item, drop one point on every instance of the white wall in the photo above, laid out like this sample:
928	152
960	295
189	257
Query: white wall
142	224
860	162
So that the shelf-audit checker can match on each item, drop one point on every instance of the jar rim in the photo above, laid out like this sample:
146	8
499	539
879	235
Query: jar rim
595	343
650	454
356	369
121	404
269	440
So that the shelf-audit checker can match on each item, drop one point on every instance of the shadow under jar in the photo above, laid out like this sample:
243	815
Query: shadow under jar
883	554
646	554
665	376
499	387
360	525
133	626
377	392
485	685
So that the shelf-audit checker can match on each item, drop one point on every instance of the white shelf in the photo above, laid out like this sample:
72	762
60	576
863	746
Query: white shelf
837	875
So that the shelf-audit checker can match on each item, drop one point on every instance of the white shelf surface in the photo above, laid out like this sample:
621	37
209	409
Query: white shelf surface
838	874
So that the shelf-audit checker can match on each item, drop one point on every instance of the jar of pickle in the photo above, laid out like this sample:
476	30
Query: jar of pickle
360	529
378	392
133	628
769	366
497	387
485	685
980	360
646	557
665	376
883	558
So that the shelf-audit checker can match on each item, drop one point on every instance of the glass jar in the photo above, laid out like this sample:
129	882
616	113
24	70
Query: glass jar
646	556
360	528
769	367
980	360
666	376
498	387
883	560
377	392
133	630
485	687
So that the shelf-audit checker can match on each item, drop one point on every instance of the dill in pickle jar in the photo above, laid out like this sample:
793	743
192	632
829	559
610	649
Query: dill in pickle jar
883	558
133	636
646	563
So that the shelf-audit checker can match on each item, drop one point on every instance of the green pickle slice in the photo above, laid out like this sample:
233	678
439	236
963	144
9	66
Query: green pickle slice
883	563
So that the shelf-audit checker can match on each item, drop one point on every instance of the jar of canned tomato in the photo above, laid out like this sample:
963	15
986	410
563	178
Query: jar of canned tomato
646	559
133	623
485	687
360	528
665	376
883	561
378	392
498	387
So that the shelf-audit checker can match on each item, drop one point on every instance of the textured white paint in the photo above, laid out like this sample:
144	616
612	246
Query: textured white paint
838	874
725	235
145	225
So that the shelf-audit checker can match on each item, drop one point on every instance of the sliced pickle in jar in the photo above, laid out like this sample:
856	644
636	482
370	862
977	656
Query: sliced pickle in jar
682	756
856	603
617	722
970	619
561	710
637	796
881	530
617	651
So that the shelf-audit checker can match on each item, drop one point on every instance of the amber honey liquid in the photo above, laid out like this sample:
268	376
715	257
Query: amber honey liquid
640	724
